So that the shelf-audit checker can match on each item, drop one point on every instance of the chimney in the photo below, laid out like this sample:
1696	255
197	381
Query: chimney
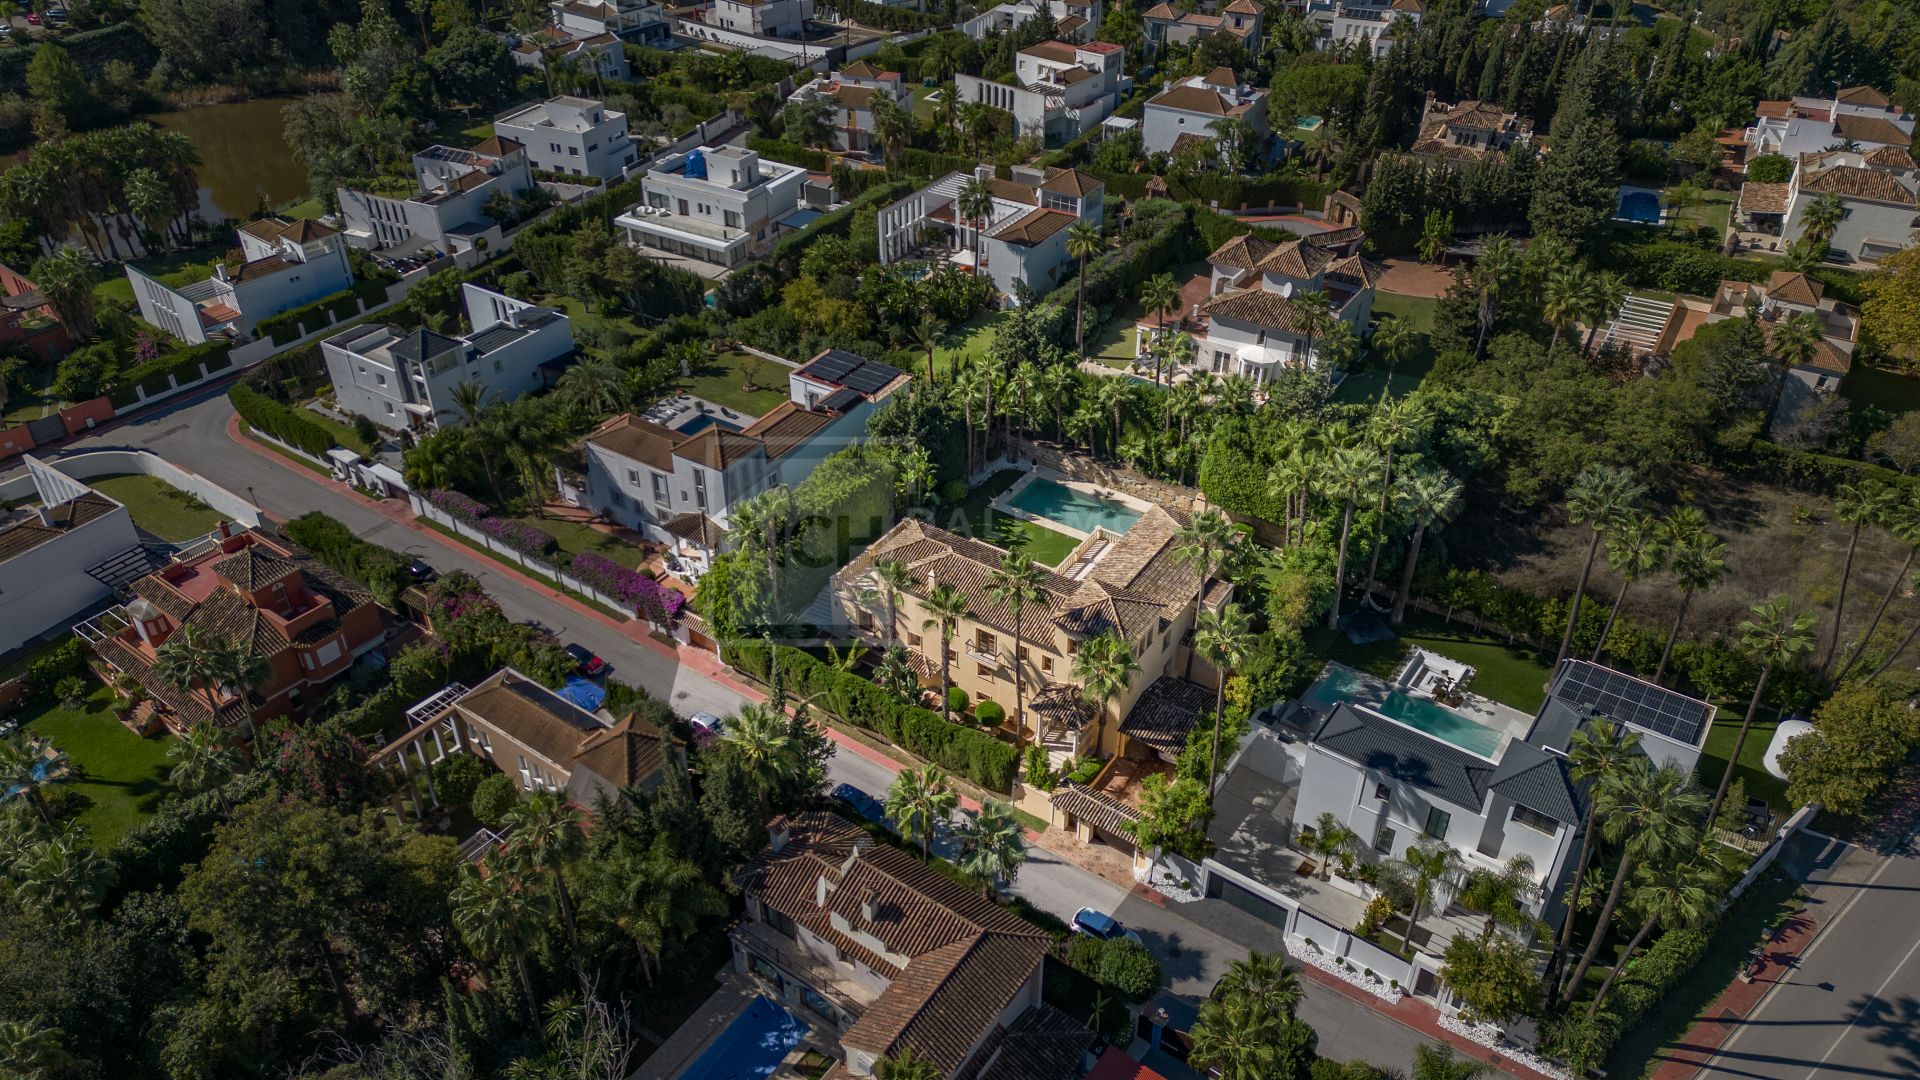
777	832
983	172
868	907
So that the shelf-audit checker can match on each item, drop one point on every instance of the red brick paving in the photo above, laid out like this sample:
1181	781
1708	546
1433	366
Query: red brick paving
1687	1057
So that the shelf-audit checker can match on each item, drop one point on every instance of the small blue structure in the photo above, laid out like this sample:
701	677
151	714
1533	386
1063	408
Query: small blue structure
696	165
584	693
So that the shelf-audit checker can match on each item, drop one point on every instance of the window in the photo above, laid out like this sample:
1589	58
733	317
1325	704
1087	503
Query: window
1382	792
633	476
573	151
1046	664
983	670
660	489
733	219
777	921
700	488
1534	819
913	640
1383	843
1437	822
983	641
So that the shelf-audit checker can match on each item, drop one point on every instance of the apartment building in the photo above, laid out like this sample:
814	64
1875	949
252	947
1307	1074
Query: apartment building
715	205
678	485
1023	240
282	265
1468	131
1131	584
406	379
306	621
1060	90
1168	25
571	135
1193	108
448	211
850	94
1074	21
60	555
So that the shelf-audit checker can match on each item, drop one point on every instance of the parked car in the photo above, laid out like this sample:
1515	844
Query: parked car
861	803
420	572
1103	926
706	727
34	18
589	665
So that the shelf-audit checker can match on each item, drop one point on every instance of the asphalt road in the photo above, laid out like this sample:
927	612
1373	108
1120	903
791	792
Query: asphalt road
193	435
1851	1007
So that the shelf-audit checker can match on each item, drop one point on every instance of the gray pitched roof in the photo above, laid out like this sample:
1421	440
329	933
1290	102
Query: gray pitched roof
1406	756
1539	781
495	337
421	344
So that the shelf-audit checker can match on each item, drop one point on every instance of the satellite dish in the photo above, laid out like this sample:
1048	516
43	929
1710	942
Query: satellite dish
1286	290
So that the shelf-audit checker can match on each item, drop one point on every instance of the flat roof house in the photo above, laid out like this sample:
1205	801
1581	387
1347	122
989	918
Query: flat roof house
641	21
1073	21
1191	109
406	379
1369	23
679	486
1061	90
571	135
283	265
712	208
886	956
763	18
448	211
1025	235
61	556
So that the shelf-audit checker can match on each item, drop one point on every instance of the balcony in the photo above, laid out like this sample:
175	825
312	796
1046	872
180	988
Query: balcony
985	656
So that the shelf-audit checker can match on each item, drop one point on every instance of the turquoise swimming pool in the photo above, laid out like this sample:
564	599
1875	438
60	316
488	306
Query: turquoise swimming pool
752	1047
1420	713
1057	502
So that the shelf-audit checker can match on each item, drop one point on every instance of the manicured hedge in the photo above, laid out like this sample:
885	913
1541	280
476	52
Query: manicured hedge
785	256
1584	1043
975	755
182	366
64	661
285	423
790	153
382	570
345	304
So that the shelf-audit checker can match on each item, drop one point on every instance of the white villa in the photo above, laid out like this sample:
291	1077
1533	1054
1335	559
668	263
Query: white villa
602	54
633	20
1074	21
570	135
1064	89
1860	115
286	264
406	379
1192	108
1467	131
850	94
1025	236
762	18
68	551
1168	25
1364	23
714	206
448	212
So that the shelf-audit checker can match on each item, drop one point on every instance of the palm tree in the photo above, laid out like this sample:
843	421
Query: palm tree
1635	550
652	897
1605	293
928	333
1224	638
892	126
758	735
1868	502
1698	564
191	656
1393	427
1160	293
1822	217
1264	980
993	845
205	758
1201	545
1083	242
919	800
32	1050
946	606
499	918
1651	814
150	200
1344	474
241	670
1431	497
1429	863
1679	897
1772	638
1235	1038
1601	498
976	205
545	835
1331	839
1104	666
1014	584
1500	895
471	400
1903	522
891	579
1598	750
1112	395
62	878
596	385
1432	1062
27	766
1391	339
1496	268
1562	300
1793	343
906	1065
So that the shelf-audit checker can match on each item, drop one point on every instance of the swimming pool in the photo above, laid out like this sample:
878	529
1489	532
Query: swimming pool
1076	510
1308	123
1640	206
1420	713
752	1047
703	421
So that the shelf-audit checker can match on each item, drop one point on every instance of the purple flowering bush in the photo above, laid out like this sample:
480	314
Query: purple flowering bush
648	598
518	535
460	506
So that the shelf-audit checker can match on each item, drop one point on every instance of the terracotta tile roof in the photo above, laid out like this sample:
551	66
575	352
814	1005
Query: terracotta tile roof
1042	1043
717	448
267	229
258	268
227	613
1161	11
787	428
855	97
1243	252
1192	141
497	146
1242	7
1058	51
1773	110
1863	95
695	527
1359	269
252	569
1167	711
75	512
642	440
625	754
1854	182
1014	191
1062	704
1070	24
1758	198
1222	76
1415	6
860	69
1890	157
1440	148
1794	288
1297	259
532	715
306	230
1096	808
1194	99
1870	129
1034	226
1072	182
1256	306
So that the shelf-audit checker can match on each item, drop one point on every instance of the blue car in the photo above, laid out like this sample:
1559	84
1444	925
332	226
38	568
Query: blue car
861	803
1101	925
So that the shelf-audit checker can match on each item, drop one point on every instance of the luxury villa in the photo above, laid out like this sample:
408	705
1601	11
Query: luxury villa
447	210
282	265
1061	90
1022	239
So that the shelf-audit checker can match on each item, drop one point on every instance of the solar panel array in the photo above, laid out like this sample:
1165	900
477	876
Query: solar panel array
853	372
1593	688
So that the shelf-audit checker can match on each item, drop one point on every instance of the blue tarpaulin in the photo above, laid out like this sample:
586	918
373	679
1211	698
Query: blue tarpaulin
584	693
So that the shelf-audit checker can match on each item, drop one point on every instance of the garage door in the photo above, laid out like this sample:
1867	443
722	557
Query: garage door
1219	888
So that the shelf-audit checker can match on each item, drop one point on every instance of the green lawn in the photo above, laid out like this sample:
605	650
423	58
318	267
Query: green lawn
159	507
342	433
1883	389
976	518
722	379
577	539
310	207
1712	208
1761	784
180	268
1365	383
969	339
120	777
1510	674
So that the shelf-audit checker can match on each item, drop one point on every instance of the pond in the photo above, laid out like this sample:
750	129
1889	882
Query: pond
243	156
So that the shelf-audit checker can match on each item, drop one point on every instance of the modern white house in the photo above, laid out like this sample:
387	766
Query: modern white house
61	555
1365	24
633	20
1860	116
762	18
677	485
1252	319
284	265
850	94
1064	90
1191	109
571	135
1468	131
448	211
406	379
716	206
1168	25
1073	20
1023	240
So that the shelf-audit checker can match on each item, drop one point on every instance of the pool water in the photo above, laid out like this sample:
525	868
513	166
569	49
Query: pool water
702	422
1308	123
752	1047
1076	510
1420	713
1641	206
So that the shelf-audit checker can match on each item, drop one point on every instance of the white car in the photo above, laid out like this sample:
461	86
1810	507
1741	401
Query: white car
706	727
